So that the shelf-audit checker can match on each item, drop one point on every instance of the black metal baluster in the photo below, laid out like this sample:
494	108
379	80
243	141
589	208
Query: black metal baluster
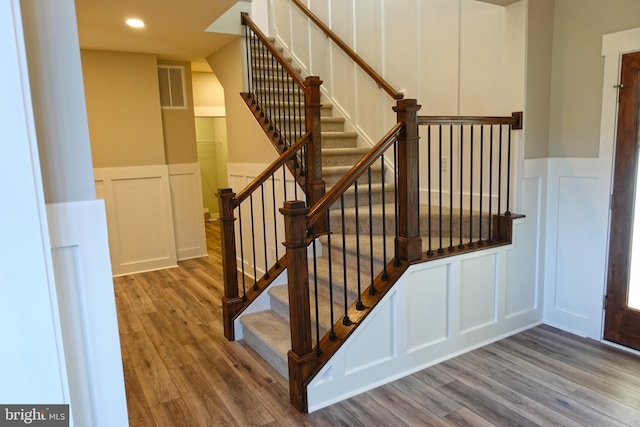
253	244
242	262
471	189
359	305
395	201
275	221
440	248
247	45
500	180
480	241
315	290
385	274
284	181
332	334
510	130
345	320
461	181
429	218
372	289
490	238
451	248
264	230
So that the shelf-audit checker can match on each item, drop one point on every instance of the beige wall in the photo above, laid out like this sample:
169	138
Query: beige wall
208	95
247	143
578	70
123	105
178	125
538	77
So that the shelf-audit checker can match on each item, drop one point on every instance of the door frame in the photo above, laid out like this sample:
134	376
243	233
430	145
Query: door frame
613	47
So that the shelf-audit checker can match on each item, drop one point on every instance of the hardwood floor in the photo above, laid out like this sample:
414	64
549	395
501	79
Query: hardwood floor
181	371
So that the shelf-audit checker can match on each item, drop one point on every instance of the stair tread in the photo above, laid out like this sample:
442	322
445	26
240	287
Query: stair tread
340	134
281	295
341	151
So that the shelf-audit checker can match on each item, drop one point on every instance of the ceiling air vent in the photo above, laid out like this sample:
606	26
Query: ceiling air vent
172	86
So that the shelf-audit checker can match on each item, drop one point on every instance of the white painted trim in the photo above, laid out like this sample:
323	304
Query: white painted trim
209	111
140	218
32	362
186	203
80	253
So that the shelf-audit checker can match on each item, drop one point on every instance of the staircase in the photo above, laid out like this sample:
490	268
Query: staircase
359	229
268	332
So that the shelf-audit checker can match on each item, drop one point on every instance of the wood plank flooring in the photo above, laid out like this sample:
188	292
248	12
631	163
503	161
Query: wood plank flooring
180	370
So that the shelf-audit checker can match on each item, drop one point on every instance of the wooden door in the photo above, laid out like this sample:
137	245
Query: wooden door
622	322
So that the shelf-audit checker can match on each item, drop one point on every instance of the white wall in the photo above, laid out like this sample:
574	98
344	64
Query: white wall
60	336
456	57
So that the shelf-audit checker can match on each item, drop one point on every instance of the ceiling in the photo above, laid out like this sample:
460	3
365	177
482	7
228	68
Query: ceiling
174	29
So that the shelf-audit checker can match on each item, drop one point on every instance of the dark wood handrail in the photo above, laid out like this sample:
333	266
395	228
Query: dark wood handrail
382	83
273	167
515	120
350	177
246	20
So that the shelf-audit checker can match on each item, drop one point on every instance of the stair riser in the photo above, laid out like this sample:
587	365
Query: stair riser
331	176
281	307
351	256
363	197
290	112
339	141
262	69
337	159
363	228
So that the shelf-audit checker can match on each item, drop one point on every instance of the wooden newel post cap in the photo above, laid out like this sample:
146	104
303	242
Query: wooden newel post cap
294	208
225	193
407	105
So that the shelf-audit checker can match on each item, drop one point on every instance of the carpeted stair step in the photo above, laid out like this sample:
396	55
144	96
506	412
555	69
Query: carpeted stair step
363	196
280	305
332	174
437	222
339	139
342	156
269	335
347	251
332	124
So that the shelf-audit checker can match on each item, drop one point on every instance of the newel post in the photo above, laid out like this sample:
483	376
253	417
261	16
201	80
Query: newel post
302	359
231	301
409	240
315	183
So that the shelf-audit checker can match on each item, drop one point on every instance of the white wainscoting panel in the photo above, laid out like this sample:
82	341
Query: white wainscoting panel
445	307
239	176
140	218
188	218
577	239
84	286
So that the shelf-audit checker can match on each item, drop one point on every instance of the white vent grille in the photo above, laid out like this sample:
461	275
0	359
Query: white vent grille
172	86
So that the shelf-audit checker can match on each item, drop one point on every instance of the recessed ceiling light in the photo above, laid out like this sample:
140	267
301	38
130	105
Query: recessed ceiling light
135	22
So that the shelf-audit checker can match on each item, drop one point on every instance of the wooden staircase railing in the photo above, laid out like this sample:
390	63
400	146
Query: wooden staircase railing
305	358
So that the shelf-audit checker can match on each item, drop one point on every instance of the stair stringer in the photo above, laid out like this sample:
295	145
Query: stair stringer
435	311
